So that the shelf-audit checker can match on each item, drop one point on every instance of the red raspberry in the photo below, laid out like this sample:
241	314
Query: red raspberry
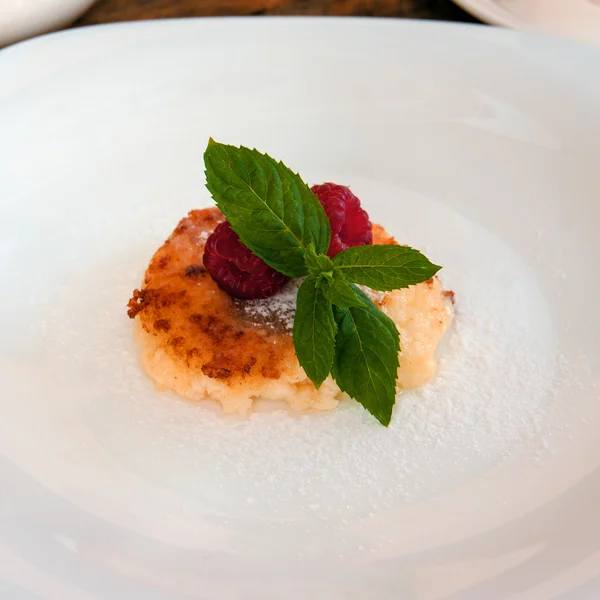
350	225
236	270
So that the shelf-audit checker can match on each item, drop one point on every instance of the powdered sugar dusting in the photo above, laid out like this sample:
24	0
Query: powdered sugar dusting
202	237
277	311
495	382
342	462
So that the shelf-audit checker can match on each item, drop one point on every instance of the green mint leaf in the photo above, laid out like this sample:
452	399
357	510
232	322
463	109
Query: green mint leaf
340	293
314	331
317	263
270	208
385	267
366	357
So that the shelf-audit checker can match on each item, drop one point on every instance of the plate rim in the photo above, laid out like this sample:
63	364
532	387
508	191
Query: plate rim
487	29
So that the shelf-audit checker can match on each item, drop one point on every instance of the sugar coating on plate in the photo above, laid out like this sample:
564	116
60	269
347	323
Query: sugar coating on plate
201	343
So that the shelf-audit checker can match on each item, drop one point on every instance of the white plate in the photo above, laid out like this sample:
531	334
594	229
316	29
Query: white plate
479	145
578	19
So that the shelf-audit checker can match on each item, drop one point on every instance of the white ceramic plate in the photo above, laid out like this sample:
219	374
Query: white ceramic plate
480	146
577	19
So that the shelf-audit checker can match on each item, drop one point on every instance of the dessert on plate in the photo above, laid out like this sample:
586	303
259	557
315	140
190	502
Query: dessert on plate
312	323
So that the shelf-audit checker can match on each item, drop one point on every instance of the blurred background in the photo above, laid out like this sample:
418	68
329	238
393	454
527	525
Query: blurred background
577	19
116	10
20	19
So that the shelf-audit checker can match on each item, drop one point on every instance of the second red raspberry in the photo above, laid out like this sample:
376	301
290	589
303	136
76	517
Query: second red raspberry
350	224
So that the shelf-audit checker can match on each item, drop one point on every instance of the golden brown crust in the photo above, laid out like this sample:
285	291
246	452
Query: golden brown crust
449	294
381	236
198	324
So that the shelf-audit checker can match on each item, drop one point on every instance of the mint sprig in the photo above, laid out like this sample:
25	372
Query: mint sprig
314	331
337	330
270	208
341	293
366	357
335	286
385	267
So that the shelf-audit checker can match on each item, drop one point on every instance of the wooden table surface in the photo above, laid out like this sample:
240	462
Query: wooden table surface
109	11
